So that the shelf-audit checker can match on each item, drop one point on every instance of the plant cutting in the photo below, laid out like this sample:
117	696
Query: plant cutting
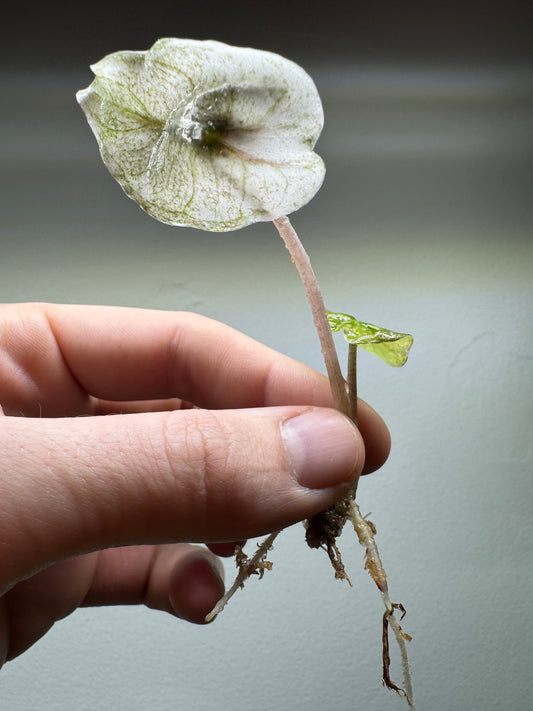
205	135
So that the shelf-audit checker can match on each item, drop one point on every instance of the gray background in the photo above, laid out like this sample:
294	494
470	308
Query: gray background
53	35
424	224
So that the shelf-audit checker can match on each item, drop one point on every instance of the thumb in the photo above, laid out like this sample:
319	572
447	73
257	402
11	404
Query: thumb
72	485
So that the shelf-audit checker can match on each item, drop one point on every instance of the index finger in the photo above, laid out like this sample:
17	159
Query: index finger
118	353
70	352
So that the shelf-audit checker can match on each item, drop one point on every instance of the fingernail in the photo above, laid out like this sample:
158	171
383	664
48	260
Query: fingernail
323	448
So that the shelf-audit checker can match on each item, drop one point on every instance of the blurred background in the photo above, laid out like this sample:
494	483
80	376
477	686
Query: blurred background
424	224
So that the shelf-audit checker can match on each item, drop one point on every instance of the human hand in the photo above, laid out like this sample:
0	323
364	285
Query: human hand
103	510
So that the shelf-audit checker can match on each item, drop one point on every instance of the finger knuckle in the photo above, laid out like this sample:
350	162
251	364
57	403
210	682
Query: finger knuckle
200	443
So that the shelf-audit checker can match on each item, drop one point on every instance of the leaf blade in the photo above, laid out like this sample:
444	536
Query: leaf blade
391	346
206	135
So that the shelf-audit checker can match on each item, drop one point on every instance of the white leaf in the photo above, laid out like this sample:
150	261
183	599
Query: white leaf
203	134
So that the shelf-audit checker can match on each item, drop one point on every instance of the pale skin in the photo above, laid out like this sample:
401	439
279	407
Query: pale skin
111	510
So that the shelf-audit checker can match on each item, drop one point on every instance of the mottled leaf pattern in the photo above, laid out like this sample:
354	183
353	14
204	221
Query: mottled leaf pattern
203	134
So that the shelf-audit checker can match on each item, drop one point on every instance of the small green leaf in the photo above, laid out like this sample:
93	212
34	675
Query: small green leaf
390	346
203	134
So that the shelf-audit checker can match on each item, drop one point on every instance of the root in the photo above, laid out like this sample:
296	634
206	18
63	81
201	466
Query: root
366	531
322	531
256	565
401	638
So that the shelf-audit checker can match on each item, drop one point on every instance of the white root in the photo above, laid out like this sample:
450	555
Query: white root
365	533
401	639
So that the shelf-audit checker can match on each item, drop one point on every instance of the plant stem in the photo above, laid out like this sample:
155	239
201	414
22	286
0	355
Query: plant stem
352	382
351	378
314	297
